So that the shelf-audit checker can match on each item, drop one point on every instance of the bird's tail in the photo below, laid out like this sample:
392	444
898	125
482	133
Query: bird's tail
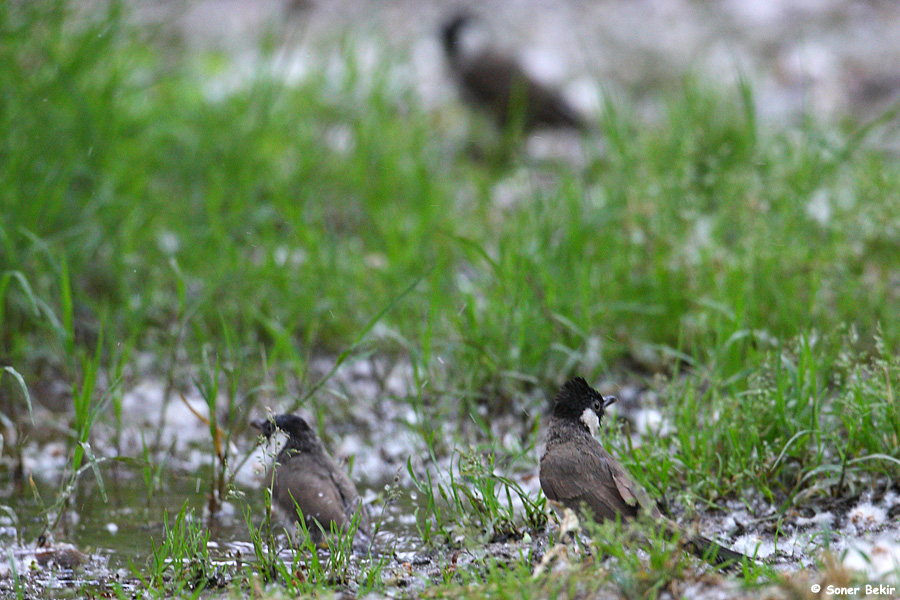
709	550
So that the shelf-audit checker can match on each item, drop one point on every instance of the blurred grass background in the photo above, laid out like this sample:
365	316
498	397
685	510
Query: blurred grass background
153	203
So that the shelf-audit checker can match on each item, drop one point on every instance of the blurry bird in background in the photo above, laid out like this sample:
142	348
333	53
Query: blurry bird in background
495	82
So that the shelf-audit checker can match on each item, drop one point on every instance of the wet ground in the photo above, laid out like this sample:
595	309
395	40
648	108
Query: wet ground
108	538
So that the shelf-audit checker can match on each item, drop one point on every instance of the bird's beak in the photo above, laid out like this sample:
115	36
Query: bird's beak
608	401
264	426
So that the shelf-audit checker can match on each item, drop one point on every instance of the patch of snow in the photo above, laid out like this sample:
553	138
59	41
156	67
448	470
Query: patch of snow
878	559
754	546
866	516
649	421
820	520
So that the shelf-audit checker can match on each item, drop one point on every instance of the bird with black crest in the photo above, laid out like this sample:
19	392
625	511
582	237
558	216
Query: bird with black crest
577	472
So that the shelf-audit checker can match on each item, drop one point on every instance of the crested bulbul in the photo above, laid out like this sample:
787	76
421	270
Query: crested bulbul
495	82
305	476
578	473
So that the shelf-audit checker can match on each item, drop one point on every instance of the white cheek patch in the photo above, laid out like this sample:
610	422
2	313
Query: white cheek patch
590	420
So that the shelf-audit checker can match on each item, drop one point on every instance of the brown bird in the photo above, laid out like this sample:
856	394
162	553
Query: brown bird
578	473
306	477
497	83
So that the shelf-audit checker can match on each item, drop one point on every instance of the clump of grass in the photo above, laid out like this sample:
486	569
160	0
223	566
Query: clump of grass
805	423
181	562
471	495
637	575
17	580
152	469
220	439
434	520
9	418
338	546
89	403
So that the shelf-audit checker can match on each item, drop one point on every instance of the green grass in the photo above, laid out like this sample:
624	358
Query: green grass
184	214
747	272
181	559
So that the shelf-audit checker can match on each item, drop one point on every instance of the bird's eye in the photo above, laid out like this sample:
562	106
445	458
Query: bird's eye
596	405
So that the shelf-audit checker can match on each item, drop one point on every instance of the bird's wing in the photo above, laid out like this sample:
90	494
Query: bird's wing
297	481
349	497
329	469
498	81
488	79
547	106
585	474
631	492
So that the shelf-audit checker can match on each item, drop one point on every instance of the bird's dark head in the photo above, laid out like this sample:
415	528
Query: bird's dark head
451	33
297	429
579	402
